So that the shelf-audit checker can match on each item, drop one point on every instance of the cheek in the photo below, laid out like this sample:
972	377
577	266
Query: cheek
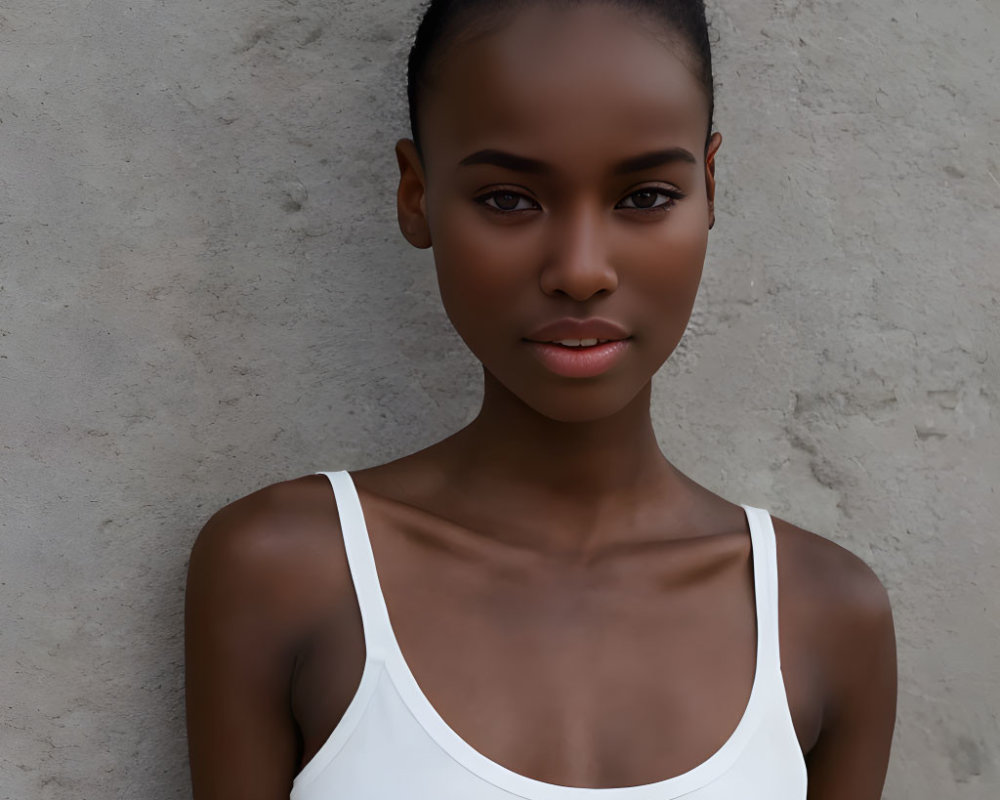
665	274
481	267
682	265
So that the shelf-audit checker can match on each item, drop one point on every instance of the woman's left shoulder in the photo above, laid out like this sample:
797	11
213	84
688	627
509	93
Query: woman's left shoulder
838	656
828	580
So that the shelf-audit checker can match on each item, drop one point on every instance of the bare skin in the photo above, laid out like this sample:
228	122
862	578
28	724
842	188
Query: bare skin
574	607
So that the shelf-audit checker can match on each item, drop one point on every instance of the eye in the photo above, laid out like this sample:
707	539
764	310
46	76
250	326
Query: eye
650	198
506	201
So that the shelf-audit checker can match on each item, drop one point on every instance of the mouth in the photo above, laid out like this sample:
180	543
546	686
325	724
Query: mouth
577	332
580	358
578	343
579	348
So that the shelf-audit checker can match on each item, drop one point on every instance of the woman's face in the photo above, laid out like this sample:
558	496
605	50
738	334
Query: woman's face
567	193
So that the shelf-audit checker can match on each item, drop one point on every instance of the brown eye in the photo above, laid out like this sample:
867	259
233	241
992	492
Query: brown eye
650	199
644	199
507	202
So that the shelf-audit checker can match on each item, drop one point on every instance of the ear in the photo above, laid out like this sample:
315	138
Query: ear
713	147
411	202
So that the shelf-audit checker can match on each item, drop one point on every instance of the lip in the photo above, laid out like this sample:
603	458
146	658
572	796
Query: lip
572	328
580	362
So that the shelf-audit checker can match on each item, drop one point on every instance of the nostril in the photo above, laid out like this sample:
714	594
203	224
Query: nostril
578	283
578	265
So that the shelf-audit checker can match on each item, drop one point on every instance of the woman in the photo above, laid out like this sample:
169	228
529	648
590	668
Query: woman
541	605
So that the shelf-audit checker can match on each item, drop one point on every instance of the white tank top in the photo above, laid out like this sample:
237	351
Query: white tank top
391	744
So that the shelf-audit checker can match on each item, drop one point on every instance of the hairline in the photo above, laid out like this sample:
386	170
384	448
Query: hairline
479	21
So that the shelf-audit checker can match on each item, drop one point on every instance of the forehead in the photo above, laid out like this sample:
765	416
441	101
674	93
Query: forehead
564	84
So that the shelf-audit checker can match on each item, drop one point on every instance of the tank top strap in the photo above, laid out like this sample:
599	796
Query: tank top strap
765	578
361	560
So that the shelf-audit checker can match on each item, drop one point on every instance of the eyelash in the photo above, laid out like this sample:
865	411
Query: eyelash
484	199
671	195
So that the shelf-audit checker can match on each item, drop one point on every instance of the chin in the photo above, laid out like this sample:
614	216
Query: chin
579	403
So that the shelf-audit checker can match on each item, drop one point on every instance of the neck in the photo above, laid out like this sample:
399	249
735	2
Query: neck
585	462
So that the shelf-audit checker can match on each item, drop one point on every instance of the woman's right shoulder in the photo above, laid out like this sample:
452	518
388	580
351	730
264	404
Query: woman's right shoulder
267	579
278	552
273	523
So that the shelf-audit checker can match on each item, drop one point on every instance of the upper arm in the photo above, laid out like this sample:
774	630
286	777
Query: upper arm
851	634
242	622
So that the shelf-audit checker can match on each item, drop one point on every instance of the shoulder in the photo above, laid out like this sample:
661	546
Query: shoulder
836	620
267	575
272	555
827	580
838	656
272	528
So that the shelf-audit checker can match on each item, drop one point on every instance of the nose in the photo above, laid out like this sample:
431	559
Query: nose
577	263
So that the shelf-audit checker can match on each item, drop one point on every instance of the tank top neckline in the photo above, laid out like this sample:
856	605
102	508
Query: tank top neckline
383	651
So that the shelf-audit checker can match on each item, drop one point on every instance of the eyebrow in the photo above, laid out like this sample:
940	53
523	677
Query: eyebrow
516	163
499	158
656	158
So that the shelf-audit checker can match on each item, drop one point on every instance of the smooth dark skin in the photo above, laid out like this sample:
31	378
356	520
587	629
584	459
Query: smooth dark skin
574	607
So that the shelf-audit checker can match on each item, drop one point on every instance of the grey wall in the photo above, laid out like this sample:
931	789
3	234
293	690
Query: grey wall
202	291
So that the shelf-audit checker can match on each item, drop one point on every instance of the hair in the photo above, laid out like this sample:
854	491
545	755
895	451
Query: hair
444	20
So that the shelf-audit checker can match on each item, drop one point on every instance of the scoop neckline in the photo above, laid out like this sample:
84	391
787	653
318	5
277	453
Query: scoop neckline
529	788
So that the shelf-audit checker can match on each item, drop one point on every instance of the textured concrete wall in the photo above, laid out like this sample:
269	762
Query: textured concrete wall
202	291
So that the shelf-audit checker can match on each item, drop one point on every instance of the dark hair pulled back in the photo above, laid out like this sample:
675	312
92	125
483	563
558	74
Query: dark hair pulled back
444	19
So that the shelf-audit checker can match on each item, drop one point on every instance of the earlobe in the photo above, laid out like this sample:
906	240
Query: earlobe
411	204
710	152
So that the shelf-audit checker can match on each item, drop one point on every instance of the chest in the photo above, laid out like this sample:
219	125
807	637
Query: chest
589	674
